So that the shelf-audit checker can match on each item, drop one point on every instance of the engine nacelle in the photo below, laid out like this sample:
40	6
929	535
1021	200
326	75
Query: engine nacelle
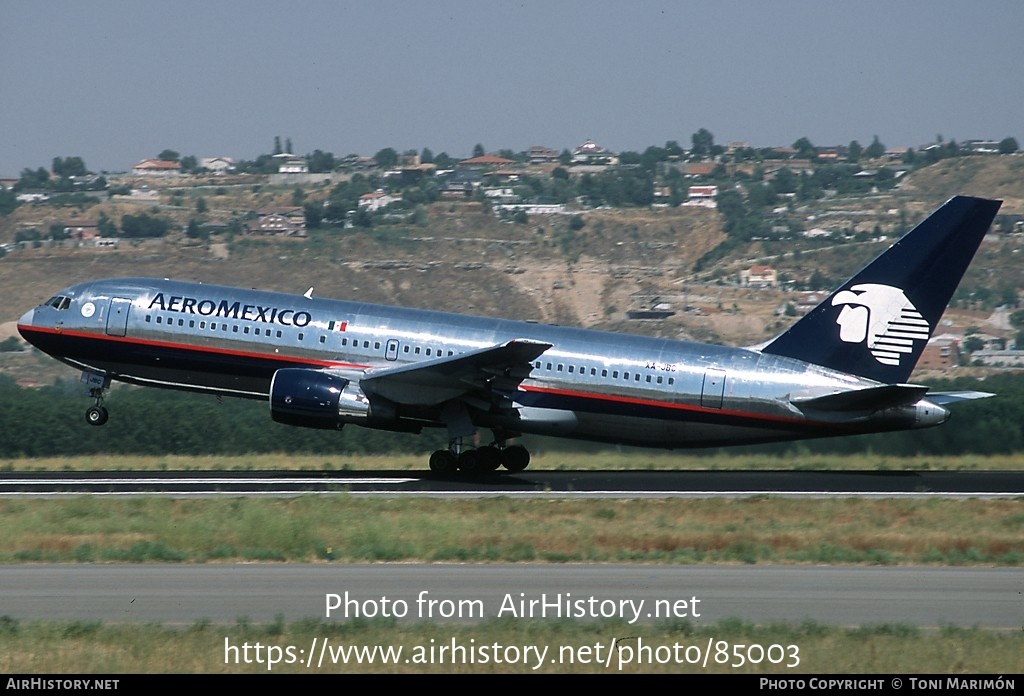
315	399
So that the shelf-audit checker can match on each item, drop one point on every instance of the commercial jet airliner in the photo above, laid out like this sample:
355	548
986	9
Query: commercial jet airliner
841	369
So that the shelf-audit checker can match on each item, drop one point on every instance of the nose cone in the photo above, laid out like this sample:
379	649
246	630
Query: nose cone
26	321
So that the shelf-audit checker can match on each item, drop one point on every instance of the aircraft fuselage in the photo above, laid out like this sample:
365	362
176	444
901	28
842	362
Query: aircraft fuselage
588	384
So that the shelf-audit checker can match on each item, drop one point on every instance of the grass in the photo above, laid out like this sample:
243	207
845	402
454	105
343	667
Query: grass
356	529
501	646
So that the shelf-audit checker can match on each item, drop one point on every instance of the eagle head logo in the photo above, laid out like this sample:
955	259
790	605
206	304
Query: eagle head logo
882	317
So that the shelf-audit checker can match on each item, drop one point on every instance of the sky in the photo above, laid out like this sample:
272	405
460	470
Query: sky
118	81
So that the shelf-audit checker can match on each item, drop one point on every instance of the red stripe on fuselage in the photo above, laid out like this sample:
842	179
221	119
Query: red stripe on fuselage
745	415
190	348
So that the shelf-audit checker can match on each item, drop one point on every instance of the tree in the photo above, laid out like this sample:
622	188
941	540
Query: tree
443	161
805	149
387	157
875	150
168	156
200	205
1007	146
143	225
321	161
478	150
8	202
672	149
195	230
30	179
703	143
189	163
313	213
855	152
277	145
106	226
69	166
427	156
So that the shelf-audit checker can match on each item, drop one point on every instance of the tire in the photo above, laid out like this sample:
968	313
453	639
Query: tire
515	458
96	415
443	462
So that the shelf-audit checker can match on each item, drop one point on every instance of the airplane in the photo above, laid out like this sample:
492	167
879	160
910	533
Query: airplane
841	369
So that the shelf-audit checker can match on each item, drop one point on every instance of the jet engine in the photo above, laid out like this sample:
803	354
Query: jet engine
316	399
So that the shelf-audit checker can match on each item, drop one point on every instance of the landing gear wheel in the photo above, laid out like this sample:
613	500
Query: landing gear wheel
470	462
489	458
96	415
515	458
443	462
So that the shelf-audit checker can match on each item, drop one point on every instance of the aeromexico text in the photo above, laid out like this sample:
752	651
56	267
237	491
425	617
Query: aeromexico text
231	310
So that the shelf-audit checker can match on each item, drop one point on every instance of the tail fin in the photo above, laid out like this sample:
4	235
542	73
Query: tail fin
878	322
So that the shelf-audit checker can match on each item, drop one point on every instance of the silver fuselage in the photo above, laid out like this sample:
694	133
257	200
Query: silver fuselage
588	385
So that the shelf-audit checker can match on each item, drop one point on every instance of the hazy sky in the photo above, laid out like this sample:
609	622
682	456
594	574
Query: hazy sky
115	82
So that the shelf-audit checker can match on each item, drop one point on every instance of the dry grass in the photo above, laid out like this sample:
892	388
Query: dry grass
754	530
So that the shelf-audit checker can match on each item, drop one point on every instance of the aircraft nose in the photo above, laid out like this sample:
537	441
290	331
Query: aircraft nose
26	320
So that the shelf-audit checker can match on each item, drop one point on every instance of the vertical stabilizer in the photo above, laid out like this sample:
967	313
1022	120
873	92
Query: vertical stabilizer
877	323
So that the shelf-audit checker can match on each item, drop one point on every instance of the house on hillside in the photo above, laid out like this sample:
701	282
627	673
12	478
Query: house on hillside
377	200
291	164
592	153
217	165
538	154
759	277
486	162
702	196
940	352
289	221
155	167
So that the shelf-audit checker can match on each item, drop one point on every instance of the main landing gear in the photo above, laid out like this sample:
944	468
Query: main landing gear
481	460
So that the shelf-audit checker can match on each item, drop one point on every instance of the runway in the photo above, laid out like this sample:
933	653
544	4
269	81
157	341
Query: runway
575	484
927	597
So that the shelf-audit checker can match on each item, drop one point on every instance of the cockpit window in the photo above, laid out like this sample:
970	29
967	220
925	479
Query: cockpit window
59	302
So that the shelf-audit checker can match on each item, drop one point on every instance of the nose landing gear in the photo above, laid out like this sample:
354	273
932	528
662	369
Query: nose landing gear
96	414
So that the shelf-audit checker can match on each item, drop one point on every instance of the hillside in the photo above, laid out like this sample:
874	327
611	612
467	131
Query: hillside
465	260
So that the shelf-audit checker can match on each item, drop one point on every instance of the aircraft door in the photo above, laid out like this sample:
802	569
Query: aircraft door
391	349
713	391
117	316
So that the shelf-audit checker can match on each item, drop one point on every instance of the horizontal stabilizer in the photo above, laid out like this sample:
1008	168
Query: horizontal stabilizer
870	399
943	398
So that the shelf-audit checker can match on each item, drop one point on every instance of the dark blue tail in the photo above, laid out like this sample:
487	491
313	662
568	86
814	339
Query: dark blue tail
878	322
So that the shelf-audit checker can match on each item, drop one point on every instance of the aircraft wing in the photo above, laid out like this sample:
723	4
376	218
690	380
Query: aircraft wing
501	366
